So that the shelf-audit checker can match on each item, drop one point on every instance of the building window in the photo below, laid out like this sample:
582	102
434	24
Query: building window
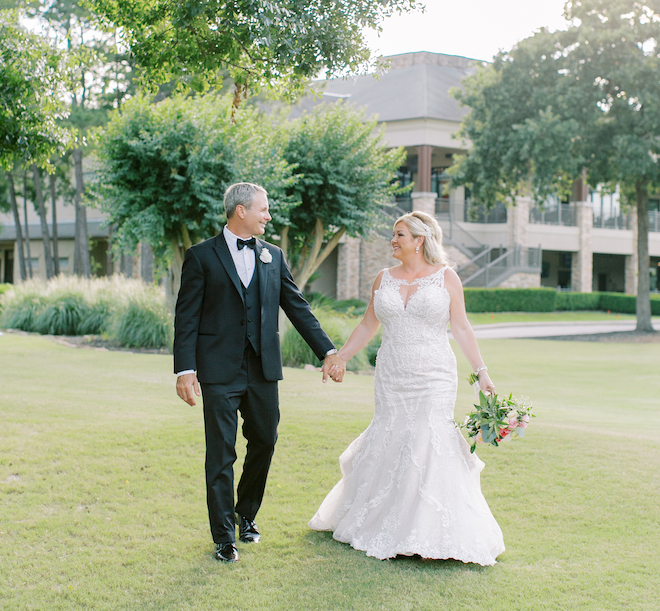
64	264
34	262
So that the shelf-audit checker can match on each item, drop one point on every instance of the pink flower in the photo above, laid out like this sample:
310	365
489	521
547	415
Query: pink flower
524	421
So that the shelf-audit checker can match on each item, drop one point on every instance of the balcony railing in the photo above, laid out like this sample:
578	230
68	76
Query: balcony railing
619	221
563	215
496	215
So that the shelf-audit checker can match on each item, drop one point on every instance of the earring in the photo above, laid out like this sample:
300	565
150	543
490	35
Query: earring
417	250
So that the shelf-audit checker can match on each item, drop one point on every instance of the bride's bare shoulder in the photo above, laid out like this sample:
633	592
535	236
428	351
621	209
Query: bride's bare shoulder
452	280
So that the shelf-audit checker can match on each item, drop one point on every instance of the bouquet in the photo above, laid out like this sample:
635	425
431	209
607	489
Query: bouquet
496	419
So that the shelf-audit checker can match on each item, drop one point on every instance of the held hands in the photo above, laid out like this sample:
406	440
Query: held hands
334	367
187	387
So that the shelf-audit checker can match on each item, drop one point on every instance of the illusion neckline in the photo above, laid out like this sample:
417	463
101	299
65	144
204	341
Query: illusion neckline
415	280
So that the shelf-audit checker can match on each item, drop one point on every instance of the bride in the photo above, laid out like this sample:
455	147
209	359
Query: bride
409	483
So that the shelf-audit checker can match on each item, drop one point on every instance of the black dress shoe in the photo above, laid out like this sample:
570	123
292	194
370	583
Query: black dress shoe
247	530
226	552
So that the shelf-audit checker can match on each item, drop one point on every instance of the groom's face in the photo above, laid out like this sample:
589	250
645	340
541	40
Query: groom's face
255	218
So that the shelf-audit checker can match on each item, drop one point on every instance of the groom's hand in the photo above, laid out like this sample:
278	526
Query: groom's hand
334	367
187	387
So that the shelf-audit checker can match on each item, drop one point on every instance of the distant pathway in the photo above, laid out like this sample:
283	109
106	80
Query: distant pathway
507	330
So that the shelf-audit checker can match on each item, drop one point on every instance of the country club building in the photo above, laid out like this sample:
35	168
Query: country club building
583	244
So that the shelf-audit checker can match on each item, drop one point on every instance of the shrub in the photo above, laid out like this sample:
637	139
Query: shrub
131	313
143	322
618	302
626	304
353	307
62	314
373	346
21	307
296	352
510	300
577	301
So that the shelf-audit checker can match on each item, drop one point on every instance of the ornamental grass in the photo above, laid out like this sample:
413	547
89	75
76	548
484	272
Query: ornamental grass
124	311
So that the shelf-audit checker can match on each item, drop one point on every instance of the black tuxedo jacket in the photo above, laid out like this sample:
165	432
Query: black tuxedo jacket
209	326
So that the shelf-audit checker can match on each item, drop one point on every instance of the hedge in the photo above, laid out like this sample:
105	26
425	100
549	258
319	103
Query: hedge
510	300
549	300
577	301
626	304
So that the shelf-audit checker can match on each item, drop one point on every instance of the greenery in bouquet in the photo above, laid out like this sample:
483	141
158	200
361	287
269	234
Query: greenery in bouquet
496	419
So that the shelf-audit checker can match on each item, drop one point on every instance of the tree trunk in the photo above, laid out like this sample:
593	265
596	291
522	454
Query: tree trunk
173	280
146	263
110	265
312	260
82	263
644	323
27	227
45	234
56	248
19	230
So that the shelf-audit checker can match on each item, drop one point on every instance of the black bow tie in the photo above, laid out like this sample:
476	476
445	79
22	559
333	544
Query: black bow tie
240	244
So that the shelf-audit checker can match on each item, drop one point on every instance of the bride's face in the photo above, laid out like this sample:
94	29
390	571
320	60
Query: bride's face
403	242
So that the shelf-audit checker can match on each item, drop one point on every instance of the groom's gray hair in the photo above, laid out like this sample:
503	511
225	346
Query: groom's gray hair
241	194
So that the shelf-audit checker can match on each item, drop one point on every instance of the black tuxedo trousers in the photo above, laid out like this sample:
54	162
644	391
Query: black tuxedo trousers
257	401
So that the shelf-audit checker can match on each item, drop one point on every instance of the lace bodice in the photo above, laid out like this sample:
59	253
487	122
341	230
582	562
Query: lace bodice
427	309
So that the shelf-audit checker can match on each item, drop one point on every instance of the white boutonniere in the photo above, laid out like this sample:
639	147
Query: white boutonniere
265	256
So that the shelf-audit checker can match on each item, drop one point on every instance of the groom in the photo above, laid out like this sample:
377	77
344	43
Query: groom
227	341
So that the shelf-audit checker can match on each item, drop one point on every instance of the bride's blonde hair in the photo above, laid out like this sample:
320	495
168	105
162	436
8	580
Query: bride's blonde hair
424	225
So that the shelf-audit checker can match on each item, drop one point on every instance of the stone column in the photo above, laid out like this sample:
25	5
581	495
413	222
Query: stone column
518	222
424	155
457	204
632	261
348	268
424	202
582	267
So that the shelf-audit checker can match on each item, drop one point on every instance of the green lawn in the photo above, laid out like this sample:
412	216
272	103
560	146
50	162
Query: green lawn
102	502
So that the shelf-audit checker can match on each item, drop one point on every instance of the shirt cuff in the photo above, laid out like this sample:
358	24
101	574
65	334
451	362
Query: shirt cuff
182	373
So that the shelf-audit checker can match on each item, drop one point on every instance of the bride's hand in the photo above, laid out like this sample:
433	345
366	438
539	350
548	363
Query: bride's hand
486	384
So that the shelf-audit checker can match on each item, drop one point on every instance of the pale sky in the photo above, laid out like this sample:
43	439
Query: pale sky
477	29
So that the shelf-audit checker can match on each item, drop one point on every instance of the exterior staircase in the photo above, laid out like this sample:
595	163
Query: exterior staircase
479	265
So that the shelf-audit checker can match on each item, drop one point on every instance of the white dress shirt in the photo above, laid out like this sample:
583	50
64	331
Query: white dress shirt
244	261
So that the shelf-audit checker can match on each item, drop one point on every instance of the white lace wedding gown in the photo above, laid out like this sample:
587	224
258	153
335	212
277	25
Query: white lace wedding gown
409	483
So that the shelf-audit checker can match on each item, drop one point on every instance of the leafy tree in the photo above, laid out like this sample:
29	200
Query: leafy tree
32	77
263	43
101	78
31	92
577	104
345	175
164	169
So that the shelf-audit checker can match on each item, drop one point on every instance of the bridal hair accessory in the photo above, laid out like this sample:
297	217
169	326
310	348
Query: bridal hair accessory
427	230
265	256
496	420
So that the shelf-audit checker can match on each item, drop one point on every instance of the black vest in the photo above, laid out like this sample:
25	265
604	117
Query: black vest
252	316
